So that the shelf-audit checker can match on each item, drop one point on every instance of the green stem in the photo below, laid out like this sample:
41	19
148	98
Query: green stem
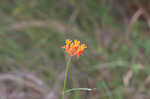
66	75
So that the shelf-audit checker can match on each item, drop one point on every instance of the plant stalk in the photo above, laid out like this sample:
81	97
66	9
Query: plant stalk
66	75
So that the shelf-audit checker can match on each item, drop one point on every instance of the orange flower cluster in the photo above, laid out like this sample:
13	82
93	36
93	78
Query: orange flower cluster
74	48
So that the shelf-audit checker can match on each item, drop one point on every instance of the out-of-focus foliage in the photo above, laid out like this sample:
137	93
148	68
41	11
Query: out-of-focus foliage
33	31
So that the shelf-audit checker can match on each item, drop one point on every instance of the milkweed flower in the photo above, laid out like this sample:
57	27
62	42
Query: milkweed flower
74	48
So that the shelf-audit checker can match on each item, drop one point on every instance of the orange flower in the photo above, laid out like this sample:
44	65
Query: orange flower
74	48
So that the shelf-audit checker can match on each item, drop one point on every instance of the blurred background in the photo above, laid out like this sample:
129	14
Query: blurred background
116	62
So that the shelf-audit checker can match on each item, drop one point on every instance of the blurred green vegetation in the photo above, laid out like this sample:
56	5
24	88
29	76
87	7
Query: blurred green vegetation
33	31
